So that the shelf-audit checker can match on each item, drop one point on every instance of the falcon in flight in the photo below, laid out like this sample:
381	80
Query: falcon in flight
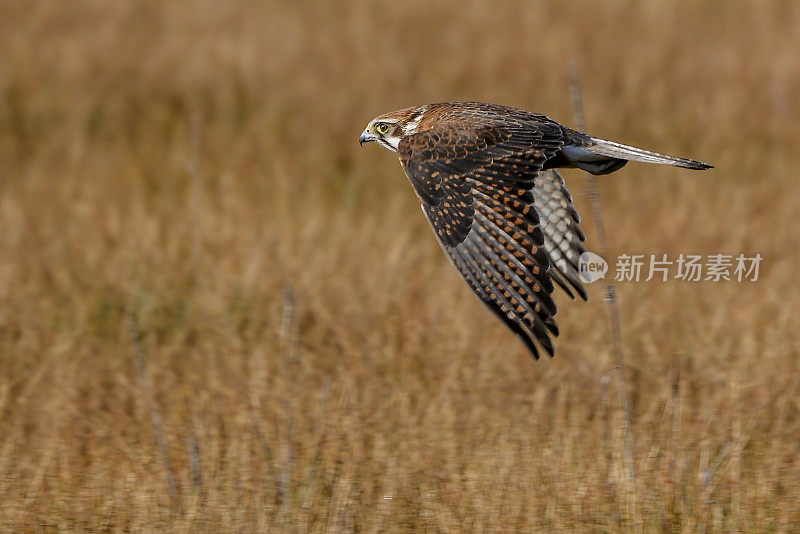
486	179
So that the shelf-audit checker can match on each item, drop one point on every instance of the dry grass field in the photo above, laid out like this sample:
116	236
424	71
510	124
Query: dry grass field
218	313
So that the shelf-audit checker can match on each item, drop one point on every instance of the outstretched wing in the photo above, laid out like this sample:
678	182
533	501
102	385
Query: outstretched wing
563	237
476	177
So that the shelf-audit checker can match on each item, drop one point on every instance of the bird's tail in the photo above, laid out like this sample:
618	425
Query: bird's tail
610	149
602	157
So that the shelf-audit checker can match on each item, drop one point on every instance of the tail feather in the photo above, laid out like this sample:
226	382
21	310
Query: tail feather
609	149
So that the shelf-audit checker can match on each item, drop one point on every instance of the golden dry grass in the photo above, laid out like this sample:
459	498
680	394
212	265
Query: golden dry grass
194	249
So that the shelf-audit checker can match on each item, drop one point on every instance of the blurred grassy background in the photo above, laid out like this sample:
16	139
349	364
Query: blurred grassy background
218	313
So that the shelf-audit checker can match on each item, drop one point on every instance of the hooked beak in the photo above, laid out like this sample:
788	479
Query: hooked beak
365	137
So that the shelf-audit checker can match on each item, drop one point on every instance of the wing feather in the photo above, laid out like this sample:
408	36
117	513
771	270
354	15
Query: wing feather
478	176
471	261
563	237
536	302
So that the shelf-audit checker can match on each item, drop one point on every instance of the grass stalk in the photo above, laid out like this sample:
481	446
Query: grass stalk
611	295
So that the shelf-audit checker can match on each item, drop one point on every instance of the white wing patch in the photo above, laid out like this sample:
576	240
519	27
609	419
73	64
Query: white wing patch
563	237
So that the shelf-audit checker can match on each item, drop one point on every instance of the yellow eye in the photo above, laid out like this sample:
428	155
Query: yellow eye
381	127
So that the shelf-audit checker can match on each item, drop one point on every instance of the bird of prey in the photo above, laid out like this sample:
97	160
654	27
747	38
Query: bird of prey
486	179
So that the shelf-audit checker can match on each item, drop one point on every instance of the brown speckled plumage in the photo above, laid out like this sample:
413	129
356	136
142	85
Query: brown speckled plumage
486	181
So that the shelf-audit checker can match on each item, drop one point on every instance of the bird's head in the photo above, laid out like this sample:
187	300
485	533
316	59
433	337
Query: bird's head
390	128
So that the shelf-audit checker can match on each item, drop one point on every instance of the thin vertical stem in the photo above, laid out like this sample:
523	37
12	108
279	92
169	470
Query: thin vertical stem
288	341
611	294
155	413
